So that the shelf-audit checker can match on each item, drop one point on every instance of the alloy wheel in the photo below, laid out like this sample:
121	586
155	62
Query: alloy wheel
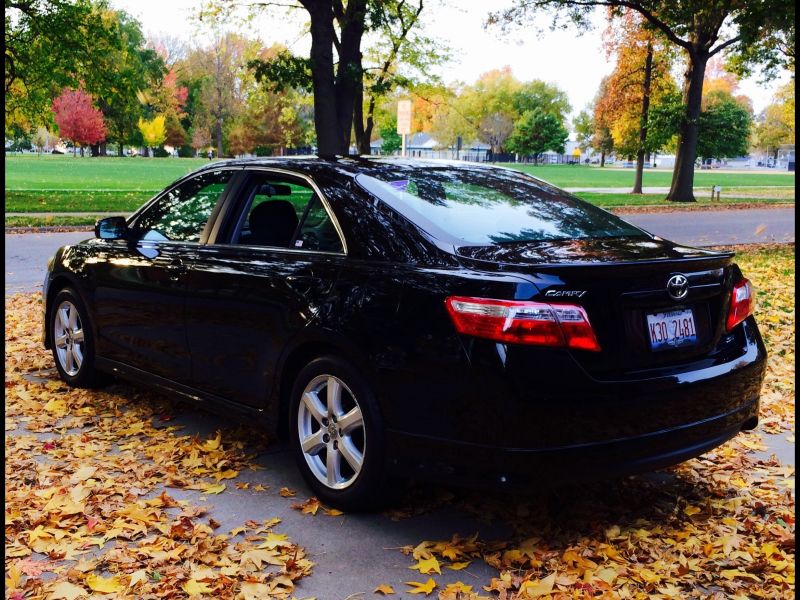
68	338
331	431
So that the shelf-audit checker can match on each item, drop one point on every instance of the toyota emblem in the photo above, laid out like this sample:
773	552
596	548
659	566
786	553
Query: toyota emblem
678	287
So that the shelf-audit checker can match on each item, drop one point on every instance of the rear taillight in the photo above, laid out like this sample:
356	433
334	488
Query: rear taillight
742	304
515	322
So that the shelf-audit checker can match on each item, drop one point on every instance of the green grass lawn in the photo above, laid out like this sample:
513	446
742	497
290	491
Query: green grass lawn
620	200
612	177
55	184
65	172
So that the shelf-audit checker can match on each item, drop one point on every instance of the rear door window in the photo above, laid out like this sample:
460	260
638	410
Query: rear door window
284	212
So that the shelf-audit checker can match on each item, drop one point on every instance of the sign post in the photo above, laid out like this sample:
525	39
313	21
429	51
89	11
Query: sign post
404	121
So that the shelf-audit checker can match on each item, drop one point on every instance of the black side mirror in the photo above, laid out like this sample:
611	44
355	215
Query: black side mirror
111	228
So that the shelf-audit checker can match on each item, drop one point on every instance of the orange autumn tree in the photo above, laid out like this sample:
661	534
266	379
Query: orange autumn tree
641	78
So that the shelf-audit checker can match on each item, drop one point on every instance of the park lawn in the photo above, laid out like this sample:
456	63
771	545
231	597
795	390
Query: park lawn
65	172
631	200
56	201
52	221
572	176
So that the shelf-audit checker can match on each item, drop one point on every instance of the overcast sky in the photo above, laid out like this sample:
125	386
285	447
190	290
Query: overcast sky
574	63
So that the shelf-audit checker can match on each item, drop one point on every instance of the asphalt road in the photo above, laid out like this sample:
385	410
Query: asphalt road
355	553
27	254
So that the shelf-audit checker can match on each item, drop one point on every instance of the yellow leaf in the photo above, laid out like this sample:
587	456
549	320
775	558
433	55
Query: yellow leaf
457	566
691	510
309	507
64	590
14	577
457	587
214	488
100	584
332	512
648	576
286	492
227	474
426	566
534	589
421	588
732	573
384	589
211	445
254	591
608	575
137	577
193	588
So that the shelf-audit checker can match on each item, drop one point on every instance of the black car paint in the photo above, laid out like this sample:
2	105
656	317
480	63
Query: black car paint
233	324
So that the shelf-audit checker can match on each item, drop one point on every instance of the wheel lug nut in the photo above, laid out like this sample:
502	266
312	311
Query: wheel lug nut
326	438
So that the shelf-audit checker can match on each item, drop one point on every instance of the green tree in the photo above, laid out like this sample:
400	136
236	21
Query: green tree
724	127
122	69
700	28
776	124
392	141
49	45
583	124
536	132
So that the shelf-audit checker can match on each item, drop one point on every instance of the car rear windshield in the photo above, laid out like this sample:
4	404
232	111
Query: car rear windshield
483	206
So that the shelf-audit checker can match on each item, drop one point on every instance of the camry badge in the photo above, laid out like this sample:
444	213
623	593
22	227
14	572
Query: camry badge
677	287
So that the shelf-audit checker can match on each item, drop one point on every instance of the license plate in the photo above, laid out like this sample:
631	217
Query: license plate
673	329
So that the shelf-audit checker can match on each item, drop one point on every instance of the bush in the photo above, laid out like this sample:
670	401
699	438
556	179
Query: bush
186	151
263	150
160	152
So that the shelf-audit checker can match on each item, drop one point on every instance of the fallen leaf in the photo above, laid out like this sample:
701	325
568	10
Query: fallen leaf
421	588
64	590
384	589
426	566
110	585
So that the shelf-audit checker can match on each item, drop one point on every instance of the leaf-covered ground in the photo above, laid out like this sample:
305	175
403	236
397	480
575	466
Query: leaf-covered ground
106	497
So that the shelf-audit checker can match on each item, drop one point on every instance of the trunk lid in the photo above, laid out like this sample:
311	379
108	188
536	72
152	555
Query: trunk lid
619	282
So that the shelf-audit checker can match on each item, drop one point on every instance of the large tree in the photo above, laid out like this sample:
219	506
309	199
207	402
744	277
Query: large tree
121	69
775	126
536	132
641	78
701	28
47	48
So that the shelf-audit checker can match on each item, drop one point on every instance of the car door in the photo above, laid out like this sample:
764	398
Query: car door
139	286
266	277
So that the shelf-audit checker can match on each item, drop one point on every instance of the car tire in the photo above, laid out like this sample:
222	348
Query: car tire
72	341
337	435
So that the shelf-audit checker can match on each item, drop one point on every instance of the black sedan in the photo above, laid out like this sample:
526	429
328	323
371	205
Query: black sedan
433	319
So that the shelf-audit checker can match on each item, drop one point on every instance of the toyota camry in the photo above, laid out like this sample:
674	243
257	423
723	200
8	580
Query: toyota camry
439	320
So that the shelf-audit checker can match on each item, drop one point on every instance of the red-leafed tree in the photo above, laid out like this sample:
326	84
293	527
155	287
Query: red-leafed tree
77	119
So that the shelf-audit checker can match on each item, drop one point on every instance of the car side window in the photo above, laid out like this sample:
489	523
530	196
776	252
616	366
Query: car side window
182	213
286	213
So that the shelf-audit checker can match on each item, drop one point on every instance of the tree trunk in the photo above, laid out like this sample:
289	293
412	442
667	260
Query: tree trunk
349	75
648	75
121	150
218	135
602	158
326	124
362	138
95	148
682	189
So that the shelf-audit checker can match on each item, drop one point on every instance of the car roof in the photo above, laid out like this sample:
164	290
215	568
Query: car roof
350	165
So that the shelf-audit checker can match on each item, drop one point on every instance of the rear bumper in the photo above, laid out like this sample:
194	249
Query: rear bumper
473	464
556	423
